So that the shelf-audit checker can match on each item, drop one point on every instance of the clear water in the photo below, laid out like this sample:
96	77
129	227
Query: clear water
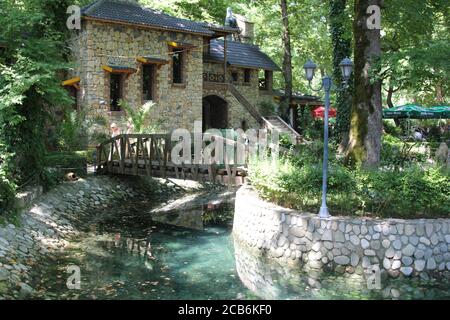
123	257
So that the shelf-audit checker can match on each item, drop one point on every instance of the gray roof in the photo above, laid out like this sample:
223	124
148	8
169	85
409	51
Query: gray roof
241	54
129	12
297	96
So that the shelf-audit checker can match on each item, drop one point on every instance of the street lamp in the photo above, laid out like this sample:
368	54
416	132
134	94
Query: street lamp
327	84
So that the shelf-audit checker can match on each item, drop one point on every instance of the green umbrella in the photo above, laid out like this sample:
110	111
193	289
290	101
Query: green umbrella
443	112
409	111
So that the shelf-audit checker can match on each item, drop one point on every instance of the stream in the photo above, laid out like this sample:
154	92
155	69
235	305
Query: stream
123	254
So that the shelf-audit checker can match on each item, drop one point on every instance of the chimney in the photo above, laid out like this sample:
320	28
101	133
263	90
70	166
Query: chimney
246	27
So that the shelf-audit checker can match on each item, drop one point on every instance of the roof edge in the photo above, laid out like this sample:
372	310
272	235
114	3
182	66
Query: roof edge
146	26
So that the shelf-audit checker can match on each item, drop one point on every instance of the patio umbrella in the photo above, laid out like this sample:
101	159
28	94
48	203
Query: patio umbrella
320	112
442	112
409	111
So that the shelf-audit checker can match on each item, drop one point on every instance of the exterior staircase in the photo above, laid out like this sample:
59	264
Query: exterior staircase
242	100
272	123
275	123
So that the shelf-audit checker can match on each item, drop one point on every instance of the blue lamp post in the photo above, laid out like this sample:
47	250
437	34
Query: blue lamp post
327	84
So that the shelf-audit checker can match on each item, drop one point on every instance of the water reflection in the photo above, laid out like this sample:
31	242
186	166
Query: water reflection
272	280
163	262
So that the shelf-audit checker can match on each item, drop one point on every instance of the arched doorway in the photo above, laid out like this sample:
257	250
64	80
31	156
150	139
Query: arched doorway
215	113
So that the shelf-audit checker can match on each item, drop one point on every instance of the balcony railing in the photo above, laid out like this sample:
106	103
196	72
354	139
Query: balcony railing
213	77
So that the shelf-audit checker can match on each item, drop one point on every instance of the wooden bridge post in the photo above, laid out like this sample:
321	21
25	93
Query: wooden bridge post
123	147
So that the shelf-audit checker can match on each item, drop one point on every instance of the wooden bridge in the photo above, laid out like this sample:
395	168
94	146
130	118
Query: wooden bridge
150	155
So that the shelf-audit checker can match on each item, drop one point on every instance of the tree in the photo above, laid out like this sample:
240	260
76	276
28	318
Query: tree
30	89
342	48
366	123
416	46
287	58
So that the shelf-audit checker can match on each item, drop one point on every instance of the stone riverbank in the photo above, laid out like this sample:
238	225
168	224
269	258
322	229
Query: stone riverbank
344	244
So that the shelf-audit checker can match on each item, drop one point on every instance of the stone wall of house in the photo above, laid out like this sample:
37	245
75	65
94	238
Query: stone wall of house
98	44
237	112
343	244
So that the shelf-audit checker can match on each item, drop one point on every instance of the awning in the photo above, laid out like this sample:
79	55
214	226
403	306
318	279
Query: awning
72	82
152	60
410	111
180	45
320	112
119	69
443	112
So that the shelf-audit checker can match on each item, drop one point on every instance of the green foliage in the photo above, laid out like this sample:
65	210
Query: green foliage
29	87
50	178
67	160
140	117
218	216
416	48
87	154
71	131
411	193
57	164
267	108
341	37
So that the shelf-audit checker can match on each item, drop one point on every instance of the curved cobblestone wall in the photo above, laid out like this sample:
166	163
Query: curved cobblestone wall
343	244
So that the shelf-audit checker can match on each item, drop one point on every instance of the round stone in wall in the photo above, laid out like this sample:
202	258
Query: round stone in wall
408	250
419	265
342	260
387	263
389	253
396	265
407	261
365	244
397	244
407	271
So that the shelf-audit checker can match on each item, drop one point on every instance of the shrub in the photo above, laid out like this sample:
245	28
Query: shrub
71	133
140	117
7	193
88	154
267	108
397	154
410	193
58	164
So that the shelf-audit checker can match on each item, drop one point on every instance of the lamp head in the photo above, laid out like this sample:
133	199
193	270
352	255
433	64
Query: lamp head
346	69
310	69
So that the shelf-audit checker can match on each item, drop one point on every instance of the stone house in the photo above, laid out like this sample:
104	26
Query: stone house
193	71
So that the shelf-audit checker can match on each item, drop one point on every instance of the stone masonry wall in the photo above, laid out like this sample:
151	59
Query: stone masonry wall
236	111
98	44
49	224
343	244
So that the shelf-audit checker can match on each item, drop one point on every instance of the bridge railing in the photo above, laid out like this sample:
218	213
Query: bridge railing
150	155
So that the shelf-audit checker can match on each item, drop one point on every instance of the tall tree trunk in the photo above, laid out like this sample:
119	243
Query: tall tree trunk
342	48
366	122
389	96
287	59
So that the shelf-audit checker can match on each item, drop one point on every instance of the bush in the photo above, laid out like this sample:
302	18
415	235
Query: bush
71	132
411	193
7	193
398	154
58	164
88	154
267	108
